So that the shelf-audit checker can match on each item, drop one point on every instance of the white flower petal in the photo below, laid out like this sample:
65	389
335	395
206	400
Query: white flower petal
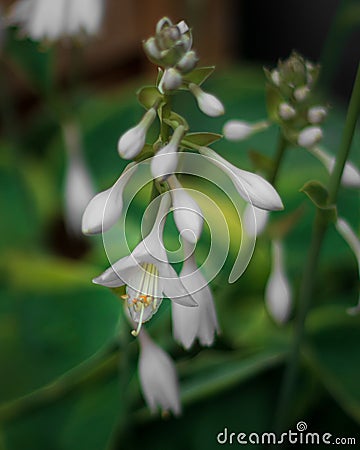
254	220
208	103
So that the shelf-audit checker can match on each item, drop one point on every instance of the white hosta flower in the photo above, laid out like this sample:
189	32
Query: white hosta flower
301	93
254	220
158	378
79	188
171	80
147	274
351	175
200	322
316	114
165	162
132	141
187	62
309	136
105	208
207	103
286	111
238	130
187	213
252	187
44	19
353	241
278	297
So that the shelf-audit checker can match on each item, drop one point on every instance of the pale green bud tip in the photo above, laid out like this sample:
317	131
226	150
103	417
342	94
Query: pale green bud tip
316	114
286	112
237	130
309	136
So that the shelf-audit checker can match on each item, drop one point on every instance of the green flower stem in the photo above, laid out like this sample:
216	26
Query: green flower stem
308	281
278	159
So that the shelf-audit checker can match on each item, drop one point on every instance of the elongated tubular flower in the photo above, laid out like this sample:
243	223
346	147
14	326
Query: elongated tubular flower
132	141
44	19
252	187
278	297
79	187
158	378
165	162
208	103
353	241
105	208
147	274
187	213
200	322
254	220
351	175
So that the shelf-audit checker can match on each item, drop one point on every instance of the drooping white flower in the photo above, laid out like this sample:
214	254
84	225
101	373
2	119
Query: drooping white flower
78	187
147	274
200	322
301	93
105	208
132	141
353	241
171	80
187	213
316	114
208	103
351	175
254	220
158	378
44	19
238	130
309	136
165	162
286	111
278	297
252	187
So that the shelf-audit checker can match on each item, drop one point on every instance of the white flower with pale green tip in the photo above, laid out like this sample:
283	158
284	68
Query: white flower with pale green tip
207	103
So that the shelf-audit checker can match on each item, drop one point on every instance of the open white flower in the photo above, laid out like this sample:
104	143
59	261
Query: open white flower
200	322
132	141
351	175
79	187
44	19
187	213
147	274
105	208
252	187
208	103
158	378
353	241
278	297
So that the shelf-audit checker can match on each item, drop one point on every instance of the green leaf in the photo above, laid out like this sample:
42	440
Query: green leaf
198	76
202	139
148	96
318	194
174	120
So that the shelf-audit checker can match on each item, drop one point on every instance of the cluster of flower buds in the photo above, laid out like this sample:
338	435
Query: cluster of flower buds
146	275
170	48
290	100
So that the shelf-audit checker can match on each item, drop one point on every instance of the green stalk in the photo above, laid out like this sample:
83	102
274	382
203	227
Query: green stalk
278	159
308	281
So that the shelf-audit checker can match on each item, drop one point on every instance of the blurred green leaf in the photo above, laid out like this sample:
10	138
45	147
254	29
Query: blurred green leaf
202	139
198	76
148	96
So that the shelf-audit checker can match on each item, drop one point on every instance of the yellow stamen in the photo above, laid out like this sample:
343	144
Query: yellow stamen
137	331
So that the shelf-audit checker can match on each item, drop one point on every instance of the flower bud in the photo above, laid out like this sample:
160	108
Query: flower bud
132	142
301	93
207	103
316	114
171	79
275	76
187	62
286	112
165	162
309	136
151	49
237	130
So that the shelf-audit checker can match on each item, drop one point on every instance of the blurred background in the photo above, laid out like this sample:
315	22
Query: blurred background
64	383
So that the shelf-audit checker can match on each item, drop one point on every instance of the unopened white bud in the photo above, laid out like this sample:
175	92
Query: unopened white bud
309	136
132	142
286	112
301	93
275	76
151	49
237	130
316	114
187	62
171	79
208	103
183	27
165	162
